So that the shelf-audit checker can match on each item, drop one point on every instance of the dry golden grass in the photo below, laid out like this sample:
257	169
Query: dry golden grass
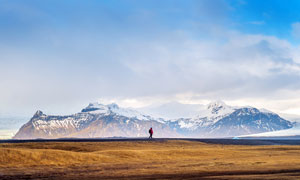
147	159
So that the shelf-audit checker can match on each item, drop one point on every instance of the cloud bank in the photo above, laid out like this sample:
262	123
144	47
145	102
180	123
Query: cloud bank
142	55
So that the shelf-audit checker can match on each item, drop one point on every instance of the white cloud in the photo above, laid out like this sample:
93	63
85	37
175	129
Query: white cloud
141	72
62	70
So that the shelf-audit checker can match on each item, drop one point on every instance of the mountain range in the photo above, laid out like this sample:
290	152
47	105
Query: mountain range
97	120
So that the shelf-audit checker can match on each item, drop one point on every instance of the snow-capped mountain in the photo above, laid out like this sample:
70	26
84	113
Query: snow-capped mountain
221	120
207	116
97	120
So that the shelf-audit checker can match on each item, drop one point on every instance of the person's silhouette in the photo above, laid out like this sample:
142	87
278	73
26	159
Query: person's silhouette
151	133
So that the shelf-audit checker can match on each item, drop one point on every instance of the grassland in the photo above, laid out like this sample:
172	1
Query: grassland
147	160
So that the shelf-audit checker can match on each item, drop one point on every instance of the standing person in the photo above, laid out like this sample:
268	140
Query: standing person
151	133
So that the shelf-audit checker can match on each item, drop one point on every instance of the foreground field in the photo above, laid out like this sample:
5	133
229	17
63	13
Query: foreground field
147	160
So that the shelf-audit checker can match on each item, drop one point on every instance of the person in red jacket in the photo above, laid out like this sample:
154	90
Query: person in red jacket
151	133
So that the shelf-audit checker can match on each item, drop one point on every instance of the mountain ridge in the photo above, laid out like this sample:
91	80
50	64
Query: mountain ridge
97	120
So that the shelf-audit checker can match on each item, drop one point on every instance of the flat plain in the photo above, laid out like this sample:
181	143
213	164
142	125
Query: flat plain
147	159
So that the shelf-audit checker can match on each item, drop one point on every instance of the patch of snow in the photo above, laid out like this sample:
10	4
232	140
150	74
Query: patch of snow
217	109
286	132
187	125
258	122
97	108
213	112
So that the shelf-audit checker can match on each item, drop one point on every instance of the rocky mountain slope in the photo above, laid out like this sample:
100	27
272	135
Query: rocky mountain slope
221	120
96	120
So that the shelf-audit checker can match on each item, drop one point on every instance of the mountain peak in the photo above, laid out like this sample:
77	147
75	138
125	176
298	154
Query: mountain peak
215	106
38	113
97	108
113	106
216	103
92	107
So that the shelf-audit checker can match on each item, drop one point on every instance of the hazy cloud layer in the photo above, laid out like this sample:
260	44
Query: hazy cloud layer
60	58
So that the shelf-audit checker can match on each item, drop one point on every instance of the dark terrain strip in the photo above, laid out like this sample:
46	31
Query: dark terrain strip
198	175
224	141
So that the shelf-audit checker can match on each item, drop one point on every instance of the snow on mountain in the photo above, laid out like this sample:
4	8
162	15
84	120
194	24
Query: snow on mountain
214	111
97	120
295	131
248	120
221	120
97	108
208	115
217	109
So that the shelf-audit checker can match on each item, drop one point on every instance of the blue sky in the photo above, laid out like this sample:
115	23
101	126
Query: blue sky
28	19
60	55
269	17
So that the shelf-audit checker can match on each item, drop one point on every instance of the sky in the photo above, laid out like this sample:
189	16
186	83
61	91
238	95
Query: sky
57	56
